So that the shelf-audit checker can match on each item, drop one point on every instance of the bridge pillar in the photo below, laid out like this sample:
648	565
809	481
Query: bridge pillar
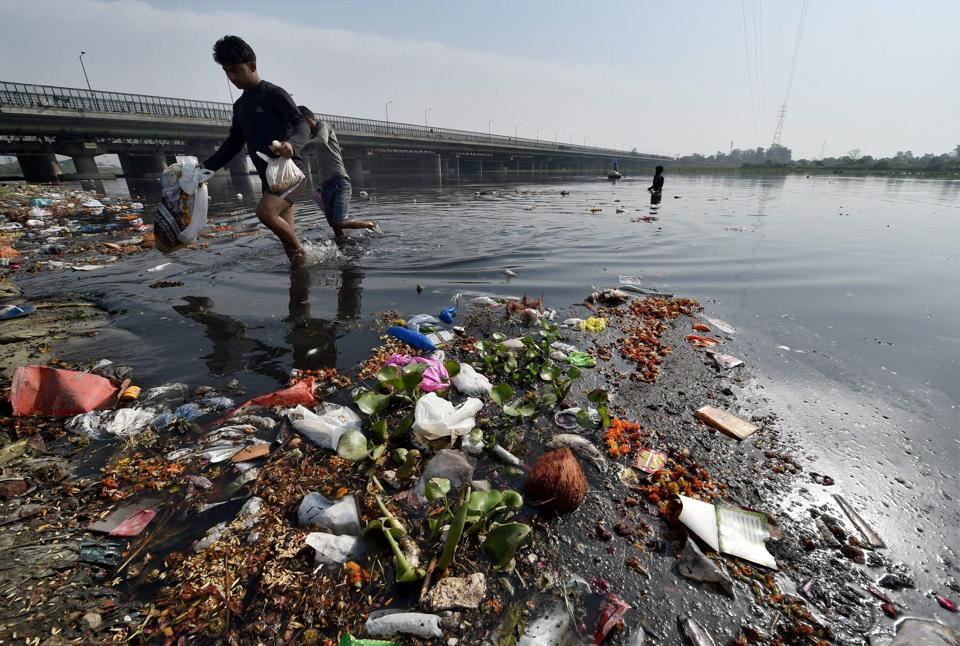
86	166
238	165
355	168
449	167
39	168
142	166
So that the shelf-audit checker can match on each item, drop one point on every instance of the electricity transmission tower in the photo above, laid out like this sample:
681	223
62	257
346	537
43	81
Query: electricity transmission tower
778	133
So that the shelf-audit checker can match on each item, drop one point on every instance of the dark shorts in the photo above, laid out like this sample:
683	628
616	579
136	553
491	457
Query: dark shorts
333	198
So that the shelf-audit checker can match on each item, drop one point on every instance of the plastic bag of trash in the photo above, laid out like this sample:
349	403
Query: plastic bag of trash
471	382
281	172
52	391
121	423
182	212
324	429
435	417
340	517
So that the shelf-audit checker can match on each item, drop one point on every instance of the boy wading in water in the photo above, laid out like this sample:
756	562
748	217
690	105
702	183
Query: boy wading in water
656	189
333	184
262	114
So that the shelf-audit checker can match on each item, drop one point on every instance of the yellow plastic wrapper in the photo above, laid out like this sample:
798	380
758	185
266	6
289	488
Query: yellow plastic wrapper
594	324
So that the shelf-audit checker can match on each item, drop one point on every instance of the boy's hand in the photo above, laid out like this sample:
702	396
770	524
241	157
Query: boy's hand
284	150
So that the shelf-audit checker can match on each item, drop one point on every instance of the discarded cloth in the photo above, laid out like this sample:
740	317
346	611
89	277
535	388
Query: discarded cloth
435	377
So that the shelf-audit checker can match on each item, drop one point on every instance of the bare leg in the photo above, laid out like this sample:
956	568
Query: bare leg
353	224
271	211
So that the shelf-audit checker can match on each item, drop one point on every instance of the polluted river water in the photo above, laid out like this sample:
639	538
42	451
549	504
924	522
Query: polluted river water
839	289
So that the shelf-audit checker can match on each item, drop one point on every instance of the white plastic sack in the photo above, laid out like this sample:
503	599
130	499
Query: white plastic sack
333	549
471	382
281	173
436	417
182	212
324	429
339	517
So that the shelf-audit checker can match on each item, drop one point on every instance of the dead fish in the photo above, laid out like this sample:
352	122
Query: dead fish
609	297
579	445
509	273
696	566
696	634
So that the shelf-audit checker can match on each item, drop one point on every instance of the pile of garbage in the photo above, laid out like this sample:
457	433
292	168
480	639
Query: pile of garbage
417	499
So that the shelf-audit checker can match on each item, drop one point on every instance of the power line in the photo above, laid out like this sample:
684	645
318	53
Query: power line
778	133
746	50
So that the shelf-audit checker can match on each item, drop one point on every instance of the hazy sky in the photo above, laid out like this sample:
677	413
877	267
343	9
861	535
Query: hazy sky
666	77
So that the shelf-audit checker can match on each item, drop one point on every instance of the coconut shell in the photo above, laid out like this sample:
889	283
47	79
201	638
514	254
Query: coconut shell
557	484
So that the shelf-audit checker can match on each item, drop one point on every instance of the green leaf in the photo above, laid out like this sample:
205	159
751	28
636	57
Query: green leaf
352	446
604	417
456	531
504	540
406	423
528	341
548	399
411	380
453	368
436	489
511	411
371	403
378	451
388	373
549	373
512	499
573	373
527	409
498	337
598	396
501	393
583	419
415	367
379	430
482	502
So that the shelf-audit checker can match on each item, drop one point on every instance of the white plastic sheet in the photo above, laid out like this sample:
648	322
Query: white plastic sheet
340	517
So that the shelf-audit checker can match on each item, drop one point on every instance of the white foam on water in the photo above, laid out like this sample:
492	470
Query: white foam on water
321	252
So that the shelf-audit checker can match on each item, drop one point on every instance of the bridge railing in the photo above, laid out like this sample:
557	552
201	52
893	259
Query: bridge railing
27	95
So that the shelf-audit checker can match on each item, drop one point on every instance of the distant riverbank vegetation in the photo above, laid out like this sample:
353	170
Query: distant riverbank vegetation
780	158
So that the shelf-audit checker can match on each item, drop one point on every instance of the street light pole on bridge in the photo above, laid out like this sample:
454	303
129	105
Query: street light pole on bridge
538	134
490	127
386	108
84	68
425	116
515	126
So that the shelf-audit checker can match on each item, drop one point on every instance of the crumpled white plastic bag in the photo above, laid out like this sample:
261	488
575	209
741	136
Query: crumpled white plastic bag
340	517
435	417
470	382
324	429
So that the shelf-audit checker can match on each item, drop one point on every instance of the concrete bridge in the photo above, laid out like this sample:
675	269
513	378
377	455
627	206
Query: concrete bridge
38	122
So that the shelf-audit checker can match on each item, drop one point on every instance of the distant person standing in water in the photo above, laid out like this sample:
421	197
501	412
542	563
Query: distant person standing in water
333	184
656	189
657	186
264	113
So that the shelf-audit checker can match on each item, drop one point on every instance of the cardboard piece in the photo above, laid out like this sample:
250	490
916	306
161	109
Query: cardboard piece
650	461
723	361
251	452
727	422
729	530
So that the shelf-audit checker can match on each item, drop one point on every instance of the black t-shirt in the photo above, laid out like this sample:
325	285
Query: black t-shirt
658	182
261	115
